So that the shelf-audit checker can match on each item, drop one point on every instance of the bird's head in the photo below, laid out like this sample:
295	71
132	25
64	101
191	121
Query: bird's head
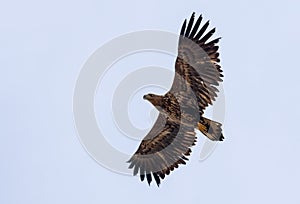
156	100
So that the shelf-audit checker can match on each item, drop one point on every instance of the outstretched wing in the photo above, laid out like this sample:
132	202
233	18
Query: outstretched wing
197	62
163	149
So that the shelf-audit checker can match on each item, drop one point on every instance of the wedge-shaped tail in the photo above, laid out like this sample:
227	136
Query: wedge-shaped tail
211	129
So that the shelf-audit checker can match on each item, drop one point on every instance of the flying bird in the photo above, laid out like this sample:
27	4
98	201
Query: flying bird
197	76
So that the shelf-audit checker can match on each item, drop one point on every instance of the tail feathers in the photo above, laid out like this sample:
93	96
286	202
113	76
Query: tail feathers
211	129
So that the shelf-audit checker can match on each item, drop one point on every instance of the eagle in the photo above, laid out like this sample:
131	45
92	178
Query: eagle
197	76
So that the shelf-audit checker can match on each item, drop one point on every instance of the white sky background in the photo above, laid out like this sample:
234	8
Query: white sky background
43	46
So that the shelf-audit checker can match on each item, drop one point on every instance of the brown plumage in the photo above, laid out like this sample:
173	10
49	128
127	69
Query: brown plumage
197	74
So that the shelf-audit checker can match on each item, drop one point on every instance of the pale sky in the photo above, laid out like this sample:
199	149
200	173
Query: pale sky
43	47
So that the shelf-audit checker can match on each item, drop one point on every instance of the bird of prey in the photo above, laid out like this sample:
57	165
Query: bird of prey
197	76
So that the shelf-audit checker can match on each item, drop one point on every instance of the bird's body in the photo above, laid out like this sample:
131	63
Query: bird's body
197	73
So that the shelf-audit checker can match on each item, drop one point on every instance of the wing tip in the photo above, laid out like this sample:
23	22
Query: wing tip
193	15
156	178
183	28
149	178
